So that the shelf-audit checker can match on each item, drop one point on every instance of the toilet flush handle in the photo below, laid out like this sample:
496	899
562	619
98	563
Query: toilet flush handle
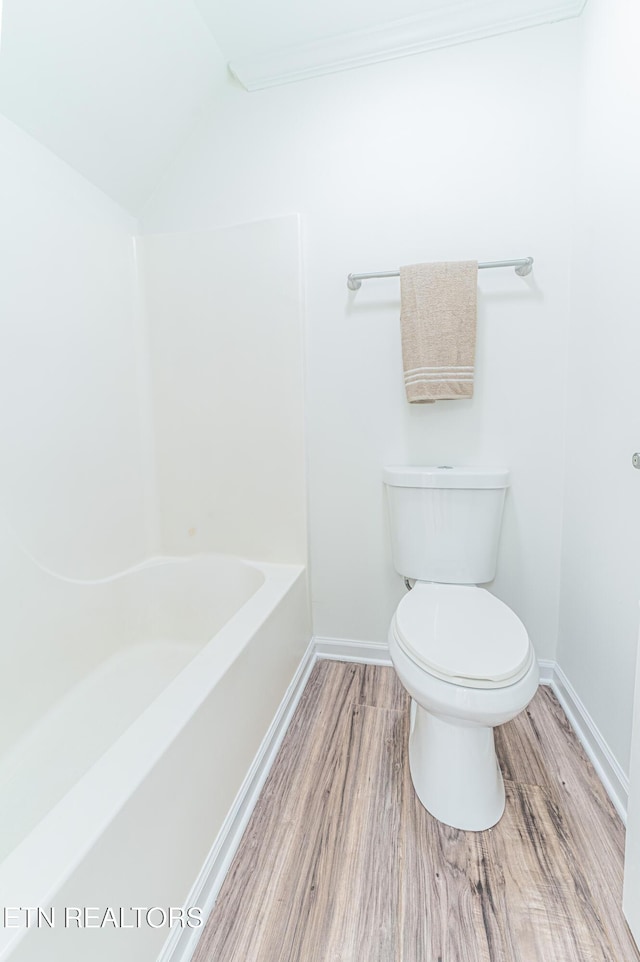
635	460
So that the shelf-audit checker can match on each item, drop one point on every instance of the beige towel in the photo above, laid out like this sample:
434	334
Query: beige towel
438	324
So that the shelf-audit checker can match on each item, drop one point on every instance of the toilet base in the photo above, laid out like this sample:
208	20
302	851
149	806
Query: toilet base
455	771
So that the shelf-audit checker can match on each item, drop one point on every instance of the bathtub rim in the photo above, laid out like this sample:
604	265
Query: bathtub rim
65	836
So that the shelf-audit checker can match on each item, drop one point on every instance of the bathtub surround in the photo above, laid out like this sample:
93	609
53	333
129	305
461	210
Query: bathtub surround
73	478
83	496
88	659
70	434
227	394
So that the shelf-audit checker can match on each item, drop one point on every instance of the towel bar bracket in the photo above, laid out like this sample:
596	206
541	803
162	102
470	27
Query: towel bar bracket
523	269
523	266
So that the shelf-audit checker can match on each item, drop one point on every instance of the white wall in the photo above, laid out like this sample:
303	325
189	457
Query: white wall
225	342
601	561
113	88
72	471
464	152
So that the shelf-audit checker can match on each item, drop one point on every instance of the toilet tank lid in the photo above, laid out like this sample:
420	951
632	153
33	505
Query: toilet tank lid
444	476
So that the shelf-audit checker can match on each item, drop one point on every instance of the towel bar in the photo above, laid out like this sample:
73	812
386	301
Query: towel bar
523	267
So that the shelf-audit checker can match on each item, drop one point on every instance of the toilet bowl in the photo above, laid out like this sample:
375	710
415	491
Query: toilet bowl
462	654
467	662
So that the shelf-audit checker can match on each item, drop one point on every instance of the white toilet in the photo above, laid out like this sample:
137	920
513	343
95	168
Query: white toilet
464	656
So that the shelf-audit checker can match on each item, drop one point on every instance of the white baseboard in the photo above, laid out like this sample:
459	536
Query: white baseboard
547	669
609	771
345	649
181	943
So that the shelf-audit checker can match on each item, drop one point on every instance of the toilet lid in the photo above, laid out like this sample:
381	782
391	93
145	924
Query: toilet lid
463	634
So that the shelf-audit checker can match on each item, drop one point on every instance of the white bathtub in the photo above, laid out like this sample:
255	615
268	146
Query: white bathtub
115	796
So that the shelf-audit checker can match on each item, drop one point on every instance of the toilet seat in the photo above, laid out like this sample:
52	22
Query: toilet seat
462	634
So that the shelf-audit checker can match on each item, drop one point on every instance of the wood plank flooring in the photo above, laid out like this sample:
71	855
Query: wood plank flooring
340	862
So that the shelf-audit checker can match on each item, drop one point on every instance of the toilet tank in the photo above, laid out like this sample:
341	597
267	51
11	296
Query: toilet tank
445	522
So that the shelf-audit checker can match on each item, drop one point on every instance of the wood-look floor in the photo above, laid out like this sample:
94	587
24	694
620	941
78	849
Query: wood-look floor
340	862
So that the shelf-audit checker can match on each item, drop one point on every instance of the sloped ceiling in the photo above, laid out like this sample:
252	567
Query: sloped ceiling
285	40
115	86
111	86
